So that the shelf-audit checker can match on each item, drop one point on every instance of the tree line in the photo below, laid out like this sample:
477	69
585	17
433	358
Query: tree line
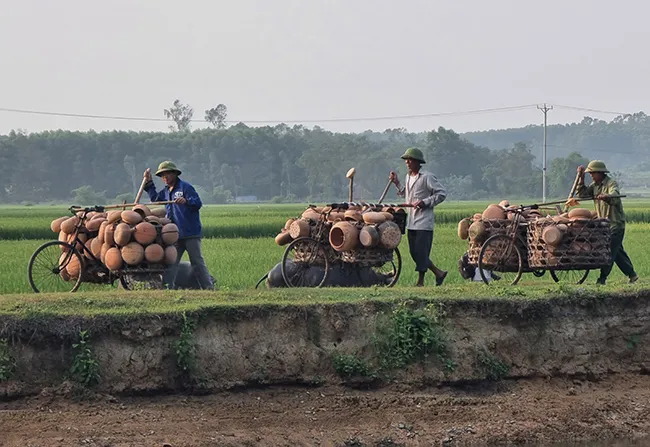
274	163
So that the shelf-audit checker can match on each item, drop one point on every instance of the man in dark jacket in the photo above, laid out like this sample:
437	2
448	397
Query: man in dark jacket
184	212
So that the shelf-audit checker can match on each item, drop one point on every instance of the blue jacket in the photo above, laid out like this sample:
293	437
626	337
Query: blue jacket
186	217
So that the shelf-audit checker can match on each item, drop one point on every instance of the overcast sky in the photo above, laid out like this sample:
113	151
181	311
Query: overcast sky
297	60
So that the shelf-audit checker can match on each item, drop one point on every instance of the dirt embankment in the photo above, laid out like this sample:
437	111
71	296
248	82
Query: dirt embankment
569	369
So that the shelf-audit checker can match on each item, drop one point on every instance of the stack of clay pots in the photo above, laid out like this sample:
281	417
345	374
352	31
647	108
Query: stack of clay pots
351	229
120	239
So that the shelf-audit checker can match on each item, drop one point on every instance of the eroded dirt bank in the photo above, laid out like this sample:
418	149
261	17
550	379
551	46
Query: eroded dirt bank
539	411
509	338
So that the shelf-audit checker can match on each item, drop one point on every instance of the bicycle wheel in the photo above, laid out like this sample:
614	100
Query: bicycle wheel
50	267
570	276
305	263
388	272
500	260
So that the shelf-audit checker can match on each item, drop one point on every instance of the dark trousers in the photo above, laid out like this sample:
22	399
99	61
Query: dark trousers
193	247
420	242
619	257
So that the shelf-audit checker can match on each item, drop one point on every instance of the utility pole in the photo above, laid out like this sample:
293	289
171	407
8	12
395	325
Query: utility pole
544	110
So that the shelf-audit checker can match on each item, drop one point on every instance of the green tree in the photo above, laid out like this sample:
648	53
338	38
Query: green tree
181	115
217	116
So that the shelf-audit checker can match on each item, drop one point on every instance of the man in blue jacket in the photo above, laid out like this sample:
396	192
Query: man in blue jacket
184	212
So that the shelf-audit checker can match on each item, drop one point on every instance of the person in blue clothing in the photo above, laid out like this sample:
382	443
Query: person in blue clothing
184	212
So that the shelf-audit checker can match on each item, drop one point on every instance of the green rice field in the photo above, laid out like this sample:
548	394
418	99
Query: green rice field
239	246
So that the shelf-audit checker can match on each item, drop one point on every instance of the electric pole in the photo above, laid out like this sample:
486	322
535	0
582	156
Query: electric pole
544	110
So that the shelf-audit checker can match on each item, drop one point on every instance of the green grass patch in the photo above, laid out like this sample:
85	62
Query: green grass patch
237	264
252	221
124	304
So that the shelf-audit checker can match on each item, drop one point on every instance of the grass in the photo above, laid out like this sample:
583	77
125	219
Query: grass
238	264
247	221
129	304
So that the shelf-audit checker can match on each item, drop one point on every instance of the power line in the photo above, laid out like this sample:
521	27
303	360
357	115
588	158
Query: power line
583	109
325	120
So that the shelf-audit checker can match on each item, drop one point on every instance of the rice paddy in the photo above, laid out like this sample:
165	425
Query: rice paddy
239	247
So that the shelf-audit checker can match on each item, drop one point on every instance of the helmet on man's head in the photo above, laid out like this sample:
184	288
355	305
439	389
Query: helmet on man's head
414	154
596	166
167	166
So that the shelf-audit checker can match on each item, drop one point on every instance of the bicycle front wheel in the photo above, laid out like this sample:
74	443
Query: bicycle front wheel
55	267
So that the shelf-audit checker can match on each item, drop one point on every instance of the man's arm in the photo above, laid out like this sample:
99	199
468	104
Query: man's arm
154	195
583	191
611	190
438	192
192	197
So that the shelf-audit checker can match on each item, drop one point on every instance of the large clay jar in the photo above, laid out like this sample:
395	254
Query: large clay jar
344	236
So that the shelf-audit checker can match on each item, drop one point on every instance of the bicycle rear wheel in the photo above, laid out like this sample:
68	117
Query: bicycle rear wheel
500	260
305	263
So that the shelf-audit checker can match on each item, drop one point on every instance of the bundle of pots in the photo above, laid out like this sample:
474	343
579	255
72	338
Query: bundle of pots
136	238
356	228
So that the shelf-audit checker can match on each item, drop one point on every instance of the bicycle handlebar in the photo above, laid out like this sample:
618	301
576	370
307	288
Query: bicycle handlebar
76	208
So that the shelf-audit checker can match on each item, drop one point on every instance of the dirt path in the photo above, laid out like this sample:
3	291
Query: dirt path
523	411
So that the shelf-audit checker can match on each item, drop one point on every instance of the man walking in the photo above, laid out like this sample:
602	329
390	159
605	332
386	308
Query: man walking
602	189
184	212
423	191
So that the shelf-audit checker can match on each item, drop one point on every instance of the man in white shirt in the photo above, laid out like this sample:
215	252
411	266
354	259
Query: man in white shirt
423	191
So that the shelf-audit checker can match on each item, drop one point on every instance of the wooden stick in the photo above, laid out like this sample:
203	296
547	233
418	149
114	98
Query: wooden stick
125	205
383	194
139	194
573	190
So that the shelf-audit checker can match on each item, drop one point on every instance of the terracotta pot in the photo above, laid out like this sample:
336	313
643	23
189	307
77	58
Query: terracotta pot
344	236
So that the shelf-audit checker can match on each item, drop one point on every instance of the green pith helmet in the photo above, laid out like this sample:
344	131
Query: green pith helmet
415	154
167	166
596	166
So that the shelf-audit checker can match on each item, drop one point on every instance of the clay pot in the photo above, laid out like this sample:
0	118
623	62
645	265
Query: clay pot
113	216
63	273
145	233
154	254
96	247
113	259
463	228
283	238
387	215
159	212
477	216
131	217
353	216
169	234
142	210
389	235
476	231
299	228
552	235
55	226
288	223
373	217
69	225
494	211
123	234
344	236
311	214
74	267
109	235
580	213
95	224
103	251
369	236
132	253
335	216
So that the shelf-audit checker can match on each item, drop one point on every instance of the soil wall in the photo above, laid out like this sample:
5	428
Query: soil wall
583	336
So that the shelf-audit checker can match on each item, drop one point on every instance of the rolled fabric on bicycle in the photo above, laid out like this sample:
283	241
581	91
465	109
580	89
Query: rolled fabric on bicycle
344	236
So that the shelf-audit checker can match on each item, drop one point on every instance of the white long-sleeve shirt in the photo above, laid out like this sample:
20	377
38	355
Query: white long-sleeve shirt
426	187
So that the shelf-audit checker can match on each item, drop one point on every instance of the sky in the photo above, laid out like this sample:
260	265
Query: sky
312	61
